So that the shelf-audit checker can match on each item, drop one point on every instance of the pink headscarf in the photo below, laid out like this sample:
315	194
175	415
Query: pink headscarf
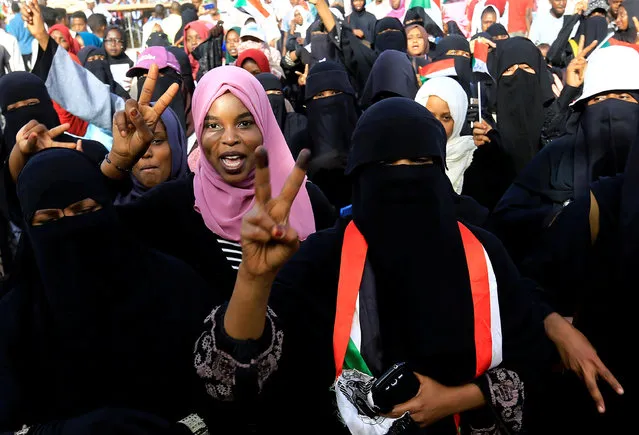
222	205
400	12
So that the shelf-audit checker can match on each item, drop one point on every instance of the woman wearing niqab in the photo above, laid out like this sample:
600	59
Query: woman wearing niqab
564	169
331	121
522	97
402	187
389	35
392	75
457	48
291	123
95	319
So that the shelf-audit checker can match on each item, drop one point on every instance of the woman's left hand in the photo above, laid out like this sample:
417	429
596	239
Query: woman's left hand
428	406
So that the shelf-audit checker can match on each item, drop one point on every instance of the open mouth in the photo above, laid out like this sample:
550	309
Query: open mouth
233	162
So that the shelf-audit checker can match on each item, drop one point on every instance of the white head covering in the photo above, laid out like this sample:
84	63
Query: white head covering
611	69
480	8
308	20
459	149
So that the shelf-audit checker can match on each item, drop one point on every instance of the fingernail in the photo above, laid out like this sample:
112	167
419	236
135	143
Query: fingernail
279	232
601	409
134	113
620	390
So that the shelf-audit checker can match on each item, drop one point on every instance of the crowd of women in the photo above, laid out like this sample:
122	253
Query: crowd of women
371	226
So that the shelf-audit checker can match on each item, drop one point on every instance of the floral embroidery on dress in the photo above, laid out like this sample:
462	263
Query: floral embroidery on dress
507	397
220	370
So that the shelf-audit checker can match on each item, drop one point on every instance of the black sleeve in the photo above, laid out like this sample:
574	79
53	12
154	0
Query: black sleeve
44	61
557	114
357	57
490	173
560	52
323	211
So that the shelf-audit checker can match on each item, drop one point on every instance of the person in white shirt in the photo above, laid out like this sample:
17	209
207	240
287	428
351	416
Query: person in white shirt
93	8
379	8
172	24
10	44
547	23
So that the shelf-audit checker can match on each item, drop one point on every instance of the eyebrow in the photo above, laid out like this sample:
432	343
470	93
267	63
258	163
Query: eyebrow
215	118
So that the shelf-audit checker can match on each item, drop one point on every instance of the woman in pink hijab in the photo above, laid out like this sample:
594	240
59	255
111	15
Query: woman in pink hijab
198	218
398	9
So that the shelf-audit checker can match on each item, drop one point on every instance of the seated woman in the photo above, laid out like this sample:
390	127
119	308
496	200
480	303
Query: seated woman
399	283
98	330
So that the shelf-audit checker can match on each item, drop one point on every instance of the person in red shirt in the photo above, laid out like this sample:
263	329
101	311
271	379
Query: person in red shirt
519	17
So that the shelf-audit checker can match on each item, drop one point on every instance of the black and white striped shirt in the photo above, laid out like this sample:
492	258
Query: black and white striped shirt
232	251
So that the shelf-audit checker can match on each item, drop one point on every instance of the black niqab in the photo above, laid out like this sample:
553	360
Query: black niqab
594	29
90	300
389	35
453	29
407	216
272	83
463	65
392	76
19	86
100	69
521	98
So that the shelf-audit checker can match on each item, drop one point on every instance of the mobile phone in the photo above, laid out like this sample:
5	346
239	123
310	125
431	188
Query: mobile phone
398	385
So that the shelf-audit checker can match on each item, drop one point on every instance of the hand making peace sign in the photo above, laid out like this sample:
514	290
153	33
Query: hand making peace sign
577	67
133	127
266	237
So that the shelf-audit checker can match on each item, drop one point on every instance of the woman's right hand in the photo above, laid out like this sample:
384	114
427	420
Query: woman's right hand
32	16
267	239
576	70
480	133
133	127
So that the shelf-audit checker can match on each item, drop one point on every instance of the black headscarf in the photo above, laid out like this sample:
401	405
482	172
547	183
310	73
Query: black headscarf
19	86
392	76
321	45
498	33
389	35
453	29
418	15
185	68
271	83
92	287
521	99
100	69
630	34
122	57
594	28
291	123
331	122
606	133
463	65
365	21
414	201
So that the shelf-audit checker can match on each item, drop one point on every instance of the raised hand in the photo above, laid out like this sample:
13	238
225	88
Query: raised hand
480	133
32	16
301	77
577	67
35	137
266	237
133	127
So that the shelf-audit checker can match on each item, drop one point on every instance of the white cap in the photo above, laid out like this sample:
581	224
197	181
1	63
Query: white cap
609	69
252	29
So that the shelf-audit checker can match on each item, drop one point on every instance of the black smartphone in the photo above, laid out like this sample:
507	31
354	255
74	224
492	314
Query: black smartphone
398	385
